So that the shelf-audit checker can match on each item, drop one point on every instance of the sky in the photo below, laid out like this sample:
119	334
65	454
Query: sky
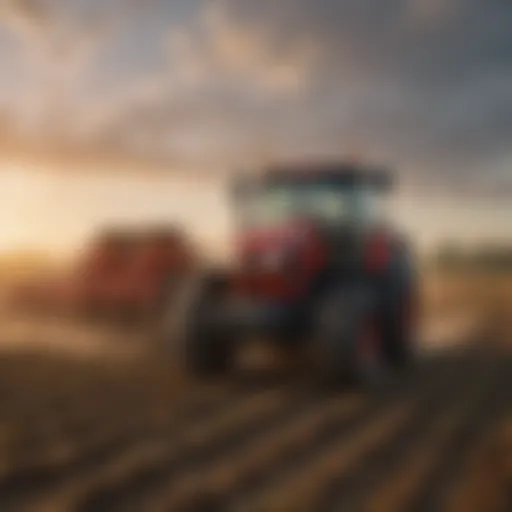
106	103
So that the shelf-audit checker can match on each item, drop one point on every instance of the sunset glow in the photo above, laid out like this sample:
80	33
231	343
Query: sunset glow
119	111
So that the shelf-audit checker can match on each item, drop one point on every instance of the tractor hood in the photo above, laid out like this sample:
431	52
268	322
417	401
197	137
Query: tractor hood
274	237
279	248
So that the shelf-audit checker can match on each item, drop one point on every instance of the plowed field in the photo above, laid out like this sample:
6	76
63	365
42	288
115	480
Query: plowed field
90	437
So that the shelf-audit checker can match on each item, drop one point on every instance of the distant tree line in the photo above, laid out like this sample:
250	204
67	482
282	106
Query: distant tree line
488	257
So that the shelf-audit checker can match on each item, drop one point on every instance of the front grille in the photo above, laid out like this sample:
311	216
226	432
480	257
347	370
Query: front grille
346	249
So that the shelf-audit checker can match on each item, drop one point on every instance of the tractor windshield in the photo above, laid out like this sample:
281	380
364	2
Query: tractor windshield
278	204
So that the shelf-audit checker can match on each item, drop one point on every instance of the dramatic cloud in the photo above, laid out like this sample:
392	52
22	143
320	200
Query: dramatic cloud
57	45
220	47
212	102
429	81
424	84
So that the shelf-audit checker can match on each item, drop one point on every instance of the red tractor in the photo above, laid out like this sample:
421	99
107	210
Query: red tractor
318	266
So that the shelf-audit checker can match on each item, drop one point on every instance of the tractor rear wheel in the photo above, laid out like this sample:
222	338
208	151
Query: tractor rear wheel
399	321
399	332
398	308
348	342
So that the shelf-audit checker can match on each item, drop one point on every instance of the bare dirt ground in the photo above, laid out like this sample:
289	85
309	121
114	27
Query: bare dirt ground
89	436
92	422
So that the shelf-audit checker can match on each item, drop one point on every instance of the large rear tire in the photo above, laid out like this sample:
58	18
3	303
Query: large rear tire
400	334
348	342
399	311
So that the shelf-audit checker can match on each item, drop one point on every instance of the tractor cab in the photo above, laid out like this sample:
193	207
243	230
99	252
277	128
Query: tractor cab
304	222
317	261
335	196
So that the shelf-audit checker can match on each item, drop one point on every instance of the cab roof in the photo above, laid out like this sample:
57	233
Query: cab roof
335	173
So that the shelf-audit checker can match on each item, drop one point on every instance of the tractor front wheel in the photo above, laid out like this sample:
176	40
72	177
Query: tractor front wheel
208	350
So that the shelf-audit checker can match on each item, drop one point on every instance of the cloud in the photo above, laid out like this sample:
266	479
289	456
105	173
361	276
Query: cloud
219	48
55	54
436	98
218	75
426	14
58	44
425	84
211	101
